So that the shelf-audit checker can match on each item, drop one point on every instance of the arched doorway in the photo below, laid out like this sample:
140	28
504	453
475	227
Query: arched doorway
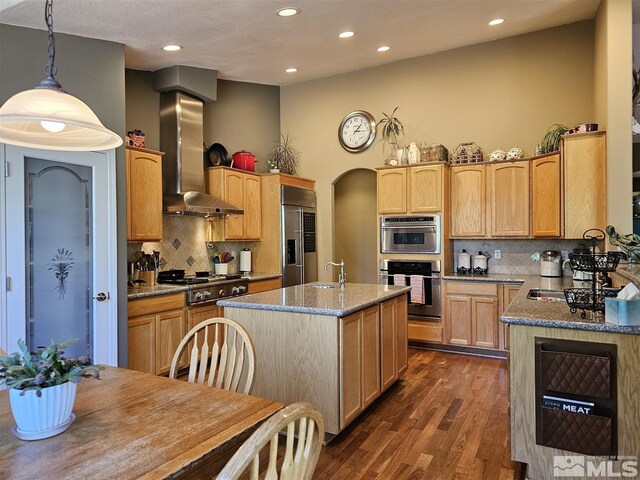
355	225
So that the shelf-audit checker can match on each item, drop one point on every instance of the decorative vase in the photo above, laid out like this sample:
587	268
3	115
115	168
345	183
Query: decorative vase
44	416
274	170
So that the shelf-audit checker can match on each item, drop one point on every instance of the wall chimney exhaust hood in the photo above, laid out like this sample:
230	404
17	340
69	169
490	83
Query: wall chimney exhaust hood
181	136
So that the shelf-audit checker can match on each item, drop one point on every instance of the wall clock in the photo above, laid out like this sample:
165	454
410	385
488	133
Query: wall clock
357	131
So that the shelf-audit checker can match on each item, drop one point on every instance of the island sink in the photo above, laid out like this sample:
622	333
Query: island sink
546	295
323	285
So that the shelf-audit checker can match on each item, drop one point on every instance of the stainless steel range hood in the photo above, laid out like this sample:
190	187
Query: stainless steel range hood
181	135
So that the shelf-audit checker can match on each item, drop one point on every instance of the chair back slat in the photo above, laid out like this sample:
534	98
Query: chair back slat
229	363
295	466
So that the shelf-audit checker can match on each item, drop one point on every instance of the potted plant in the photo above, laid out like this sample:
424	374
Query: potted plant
43	388
392	130
284	157
551	140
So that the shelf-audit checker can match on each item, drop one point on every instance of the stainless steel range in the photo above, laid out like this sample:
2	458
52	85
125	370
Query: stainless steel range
209	294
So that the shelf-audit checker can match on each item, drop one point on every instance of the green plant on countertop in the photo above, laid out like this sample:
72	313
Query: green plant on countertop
45	368
284	156
392	129
636	90
551	140
629	244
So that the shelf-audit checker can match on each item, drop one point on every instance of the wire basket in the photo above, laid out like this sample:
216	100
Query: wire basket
467	152
586	299
594	262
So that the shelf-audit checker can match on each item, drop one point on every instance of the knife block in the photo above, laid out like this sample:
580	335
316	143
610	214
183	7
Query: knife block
149	278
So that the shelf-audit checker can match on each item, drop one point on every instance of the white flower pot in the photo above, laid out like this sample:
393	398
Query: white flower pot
44	416
274	170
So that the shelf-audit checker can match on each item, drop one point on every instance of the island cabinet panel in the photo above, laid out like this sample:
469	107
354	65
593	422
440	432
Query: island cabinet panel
392	190
509	291
351	368
388	344
155	327
585	182
509	194
402	360
468	201
370	356
144	195
546	197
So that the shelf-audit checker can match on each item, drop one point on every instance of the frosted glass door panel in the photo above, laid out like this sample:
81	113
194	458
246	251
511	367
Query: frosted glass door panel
59	247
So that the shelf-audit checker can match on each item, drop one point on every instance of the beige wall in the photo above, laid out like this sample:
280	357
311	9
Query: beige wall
498	94
613	105
355	225
246	116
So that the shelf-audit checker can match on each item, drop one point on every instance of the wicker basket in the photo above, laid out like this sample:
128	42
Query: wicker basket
467	152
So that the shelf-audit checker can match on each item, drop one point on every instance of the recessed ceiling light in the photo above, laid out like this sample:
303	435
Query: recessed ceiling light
288	11
346	34
496	21
171	48
291	70
383	48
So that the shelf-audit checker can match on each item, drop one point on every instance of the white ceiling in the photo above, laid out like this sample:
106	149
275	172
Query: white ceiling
245	41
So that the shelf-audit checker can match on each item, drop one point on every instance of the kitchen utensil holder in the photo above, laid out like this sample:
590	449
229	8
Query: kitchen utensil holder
148	276
591	299
221	268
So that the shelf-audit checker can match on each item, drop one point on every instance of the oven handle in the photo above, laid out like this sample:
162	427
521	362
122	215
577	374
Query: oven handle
402	227
433	277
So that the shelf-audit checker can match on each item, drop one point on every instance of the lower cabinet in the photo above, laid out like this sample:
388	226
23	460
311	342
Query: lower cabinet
264	285
471	314
508	292
373	353
156	325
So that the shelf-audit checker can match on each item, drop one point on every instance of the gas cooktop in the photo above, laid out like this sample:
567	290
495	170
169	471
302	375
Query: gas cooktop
189	280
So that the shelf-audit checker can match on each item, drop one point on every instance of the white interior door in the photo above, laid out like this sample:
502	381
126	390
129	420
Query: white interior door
59	251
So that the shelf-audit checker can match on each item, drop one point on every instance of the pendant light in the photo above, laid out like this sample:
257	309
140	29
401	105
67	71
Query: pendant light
47	117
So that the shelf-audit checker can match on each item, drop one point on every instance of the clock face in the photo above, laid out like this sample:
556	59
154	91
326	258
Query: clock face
357	131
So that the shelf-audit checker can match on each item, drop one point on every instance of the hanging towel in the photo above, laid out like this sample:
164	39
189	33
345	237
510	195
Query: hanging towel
399	279
417	289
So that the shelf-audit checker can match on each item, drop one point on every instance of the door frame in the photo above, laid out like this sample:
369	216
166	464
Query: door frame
108	260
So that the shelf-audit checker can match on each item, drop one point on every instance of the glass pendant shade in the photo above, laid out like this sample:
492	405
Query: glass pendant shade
51	119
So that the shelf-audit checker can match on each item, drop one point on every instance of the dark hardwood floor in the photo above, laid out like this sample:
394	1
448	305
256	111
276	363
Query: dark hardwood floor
447	418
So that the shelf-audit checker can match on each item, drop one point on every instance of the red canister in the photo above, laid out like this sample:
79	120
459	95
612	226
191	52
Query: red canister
244	160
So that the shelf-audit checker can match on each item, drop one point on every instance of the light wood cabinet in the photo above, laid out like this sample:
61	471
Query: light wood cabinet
471	316
388	344
546	196
509	198
392	190
585	182
264	285
402	339
509	291
155	327
351	368
196	315
243	190
144	194
468	201
370	356
411	190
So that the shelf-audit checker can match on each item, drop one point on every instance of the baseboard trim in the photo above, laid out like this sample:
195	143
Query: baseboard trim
478	352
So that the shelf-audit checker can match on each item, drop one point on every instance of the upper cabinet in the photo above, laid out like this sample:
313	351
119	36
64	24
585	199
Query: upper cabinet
468	201
546	196
241	189
509	198
585	182
144	195
409	190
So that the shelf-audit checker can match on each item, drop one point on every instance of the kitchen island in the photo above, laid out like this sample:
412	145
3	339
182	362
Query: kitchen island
337	348
557	353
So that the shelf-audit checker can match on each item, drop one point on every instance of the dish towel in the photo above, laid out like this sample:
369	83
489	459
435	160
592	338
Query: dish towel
417	289
399	279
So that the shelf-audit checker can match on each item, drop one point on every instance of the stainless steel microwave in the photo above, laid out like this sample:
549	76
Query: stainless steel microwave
410	234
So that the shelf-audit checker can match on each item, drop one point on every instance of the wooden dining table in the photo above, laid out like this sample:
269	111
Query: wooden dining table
132	425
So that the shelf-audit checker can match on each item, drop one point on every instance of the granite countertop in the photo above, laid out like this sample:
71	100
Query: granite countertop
305	298
630	271
165	289
524	311
489	277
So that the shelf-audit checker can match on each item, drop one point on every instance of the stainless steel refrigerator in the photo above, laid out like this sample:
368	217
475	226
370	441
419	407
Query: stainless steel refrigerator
299	256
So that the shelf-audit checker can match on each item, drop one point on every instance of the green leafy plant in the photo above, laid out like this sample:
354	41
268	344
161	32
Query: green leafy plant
636	89
45	368
629	244
392	128
551	140
284	156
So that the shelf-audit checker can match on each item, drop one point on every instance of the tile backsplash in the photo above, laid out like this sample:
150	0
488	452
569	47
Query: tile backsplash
185	247
515	254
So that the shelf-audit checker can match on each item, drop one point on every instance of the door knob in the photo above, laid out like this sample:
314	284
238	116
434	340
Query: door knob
101	297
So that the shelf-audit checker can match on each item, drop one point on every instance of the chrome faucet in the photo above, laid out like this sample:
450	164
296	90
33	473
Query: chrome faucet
342	278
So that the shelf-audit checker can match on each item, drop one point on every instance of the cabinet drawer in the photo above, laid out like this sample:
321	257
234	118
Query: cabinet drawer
574	432
155	304
472	288
577	374
265	285
425	332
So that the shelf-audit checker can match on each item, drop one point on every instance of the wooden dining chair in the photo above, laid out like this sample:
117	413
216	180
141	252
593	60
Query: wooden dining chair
221	354
297	463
